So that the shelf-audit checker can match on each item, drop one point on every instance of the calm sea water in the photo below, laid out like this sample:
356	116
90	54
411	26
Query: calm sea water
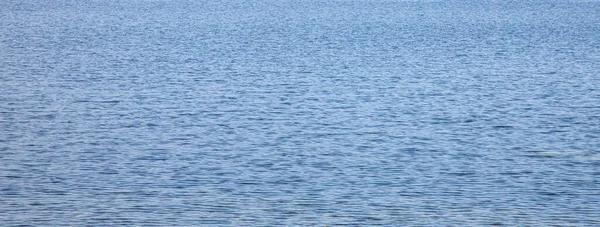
299	113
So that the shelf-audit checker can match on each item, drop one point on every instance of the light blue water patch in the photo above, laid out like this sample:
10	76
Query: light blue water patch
299	113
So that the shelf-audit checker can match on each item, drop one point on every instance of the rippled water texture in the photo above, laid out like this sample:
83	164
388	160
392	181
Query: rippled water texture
299	113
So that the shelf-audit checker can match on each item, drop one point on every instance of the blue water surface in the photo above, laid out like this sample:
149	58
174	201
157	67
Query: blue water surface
299	113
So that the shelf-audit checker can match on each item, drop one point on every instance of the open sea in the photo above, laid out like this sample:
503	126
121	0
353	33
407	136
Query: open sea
300	113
